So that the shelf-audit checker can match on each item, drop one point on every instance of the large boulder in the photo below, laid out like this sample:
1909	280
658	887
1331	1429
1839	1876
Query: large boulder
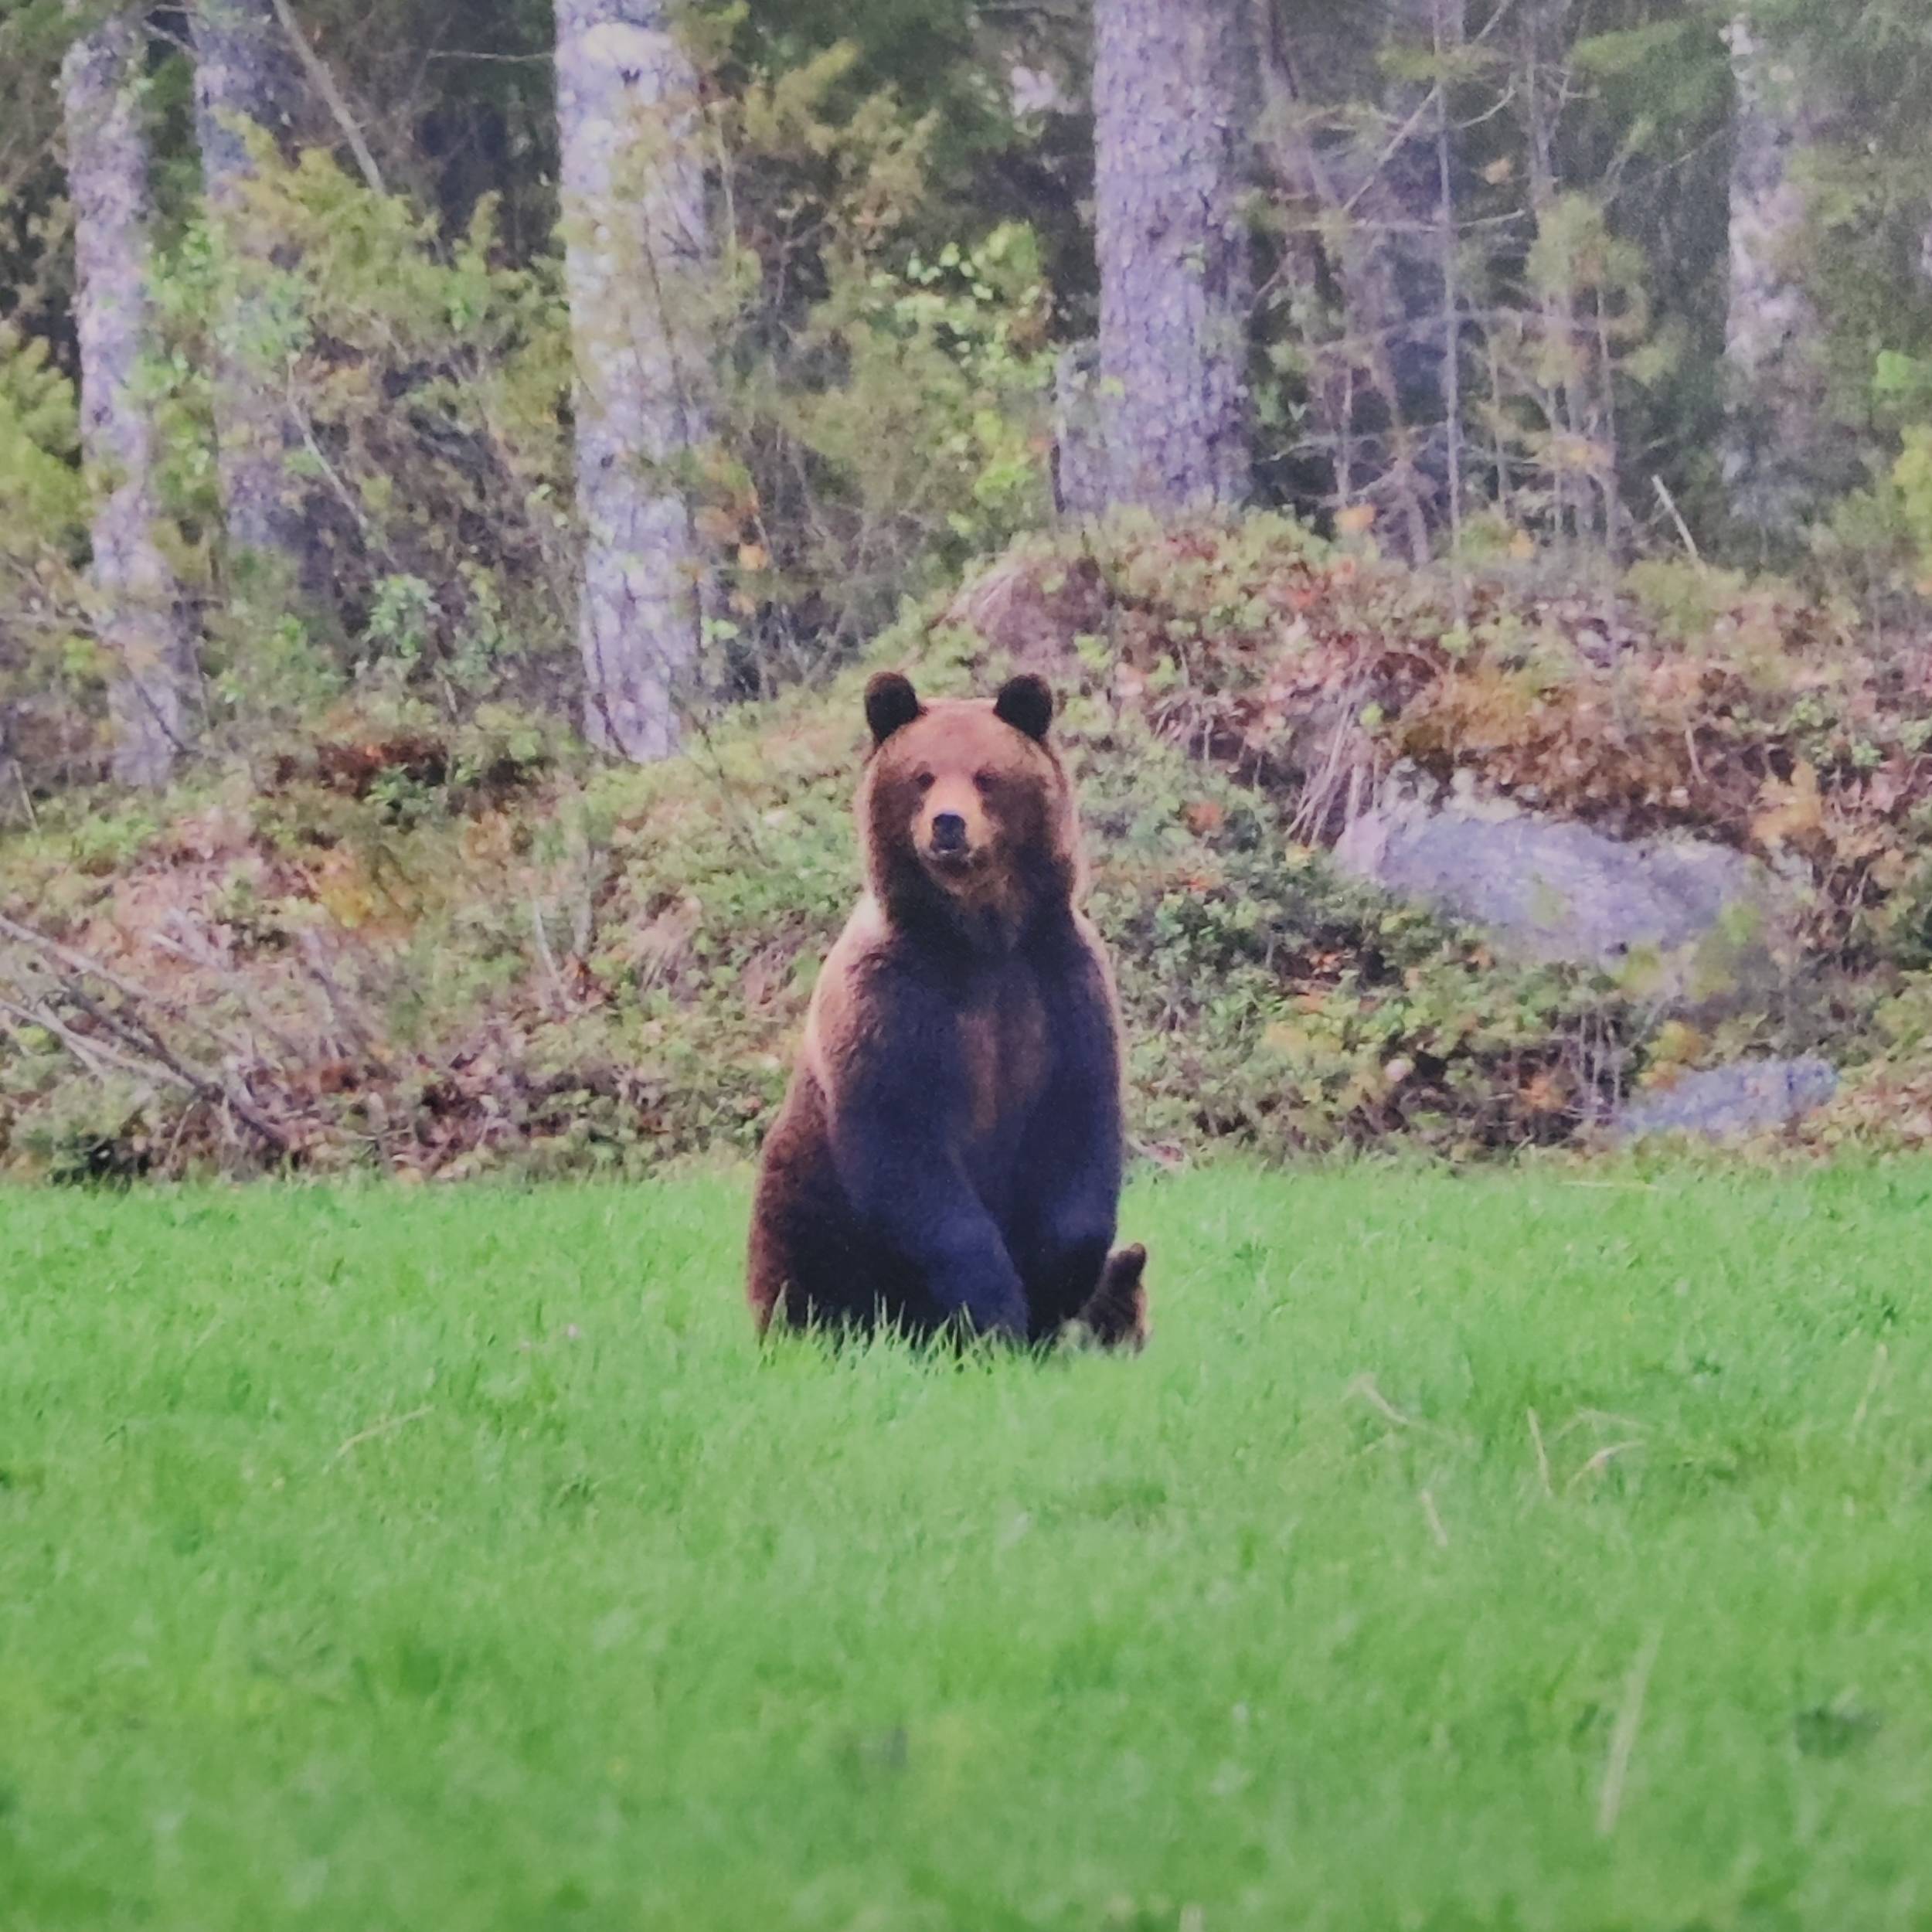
1678	918
1752	1096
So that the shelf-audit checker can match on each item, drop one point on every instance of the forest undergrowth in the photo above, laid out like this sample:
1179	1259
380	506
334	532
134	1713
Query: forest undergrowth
435	951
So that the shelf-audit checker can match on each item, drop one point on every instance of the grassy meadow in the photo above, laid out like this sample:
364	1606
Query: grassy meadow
1547	1550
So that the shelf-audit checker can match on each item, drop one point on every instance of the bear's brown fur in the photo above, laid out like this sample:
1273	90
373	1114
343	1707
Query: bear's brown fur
949	1153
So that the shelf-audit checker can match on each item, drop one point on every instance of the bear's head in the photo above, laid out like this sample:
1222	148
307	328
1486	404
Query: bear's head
965	808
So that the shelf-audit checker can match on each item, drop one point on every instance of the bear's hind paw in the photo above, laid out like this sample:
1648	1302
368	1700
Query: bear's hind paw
1115	1315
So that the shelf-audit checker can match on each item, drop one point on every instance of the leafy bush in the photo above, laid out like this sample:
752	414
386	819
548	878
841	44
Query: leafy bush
424	385
41	497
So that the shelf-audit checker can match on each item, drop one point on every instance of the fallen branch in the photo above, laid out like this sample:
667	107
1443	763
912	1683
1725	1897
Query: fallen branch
324	82
88	966
134	1033
340	1007
185	943
90	1053
143	1051
1677	517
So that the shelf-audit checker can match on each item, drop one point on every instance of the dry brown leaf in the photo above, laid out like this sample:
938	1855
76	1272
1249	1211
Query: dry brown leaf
1791	811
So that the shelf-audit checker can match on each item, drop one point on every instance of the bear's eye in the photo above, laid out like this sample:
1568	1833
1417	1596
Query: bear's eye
984	782
924	781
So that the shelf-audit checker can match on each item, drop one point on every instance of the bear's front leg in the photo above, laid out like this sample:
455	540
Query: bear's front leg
895	1145
1064	1271
1071	1162
918	1204
970	1278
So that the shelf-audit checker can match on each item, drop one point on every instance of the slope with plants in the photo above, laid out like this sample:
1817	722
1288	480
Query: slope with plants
441	950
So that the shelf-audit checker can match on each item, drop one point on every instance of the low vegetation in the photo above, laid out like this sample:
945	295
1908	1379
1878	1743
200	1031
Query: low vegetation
401	944
1673	697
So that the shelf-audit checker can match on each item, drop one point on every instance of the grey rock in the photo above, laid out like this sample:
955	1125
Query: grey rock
1749	1097
1679	919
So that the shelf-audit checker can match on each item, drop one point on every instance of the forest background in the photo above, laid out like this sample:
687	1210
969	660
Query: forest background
456	460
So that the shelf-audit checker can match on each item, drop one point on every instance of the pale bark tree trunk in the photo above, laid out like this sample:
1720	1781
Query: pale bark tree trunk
1171	126
140	620
247	86
636	258
1778	455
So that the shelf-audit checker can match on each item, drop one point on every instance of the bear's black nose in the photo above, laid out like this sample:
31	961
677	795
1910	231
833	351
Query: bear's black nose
949	832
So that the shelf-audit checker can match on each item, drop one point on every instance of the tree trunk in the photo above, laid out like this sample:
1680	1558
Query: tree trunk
1171	121
246	88
1447	28
637	252
1556	362
1777	457
1079	433
140	622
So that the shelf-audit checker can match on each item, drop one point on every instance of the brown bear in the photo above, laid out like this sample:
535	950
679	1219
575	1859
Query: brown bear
948	1155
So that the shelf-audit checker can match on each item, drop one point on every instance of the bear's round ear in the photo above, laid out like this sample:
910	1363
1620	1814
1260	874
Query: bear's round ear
891	704
1026	703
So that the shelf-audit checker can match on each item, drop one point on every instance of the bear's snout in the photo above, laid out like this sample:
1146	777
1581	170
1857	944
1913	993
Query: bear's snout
951	829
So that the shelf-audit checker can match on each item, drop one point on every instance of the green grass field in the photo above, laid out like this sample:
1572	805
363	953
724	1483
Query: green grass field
1508	1552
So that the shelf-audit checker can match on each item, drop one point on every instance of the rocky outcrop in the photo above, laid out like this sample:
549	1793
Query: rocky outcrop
1753	1096
1683	920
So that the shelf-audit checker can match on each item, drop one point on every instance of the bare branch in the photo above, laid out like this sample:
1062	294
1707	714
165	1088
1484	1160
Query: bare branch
324	82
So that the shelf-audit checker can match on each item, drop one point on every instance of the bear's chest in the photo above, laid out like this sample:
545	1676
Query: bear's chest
1005	1047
